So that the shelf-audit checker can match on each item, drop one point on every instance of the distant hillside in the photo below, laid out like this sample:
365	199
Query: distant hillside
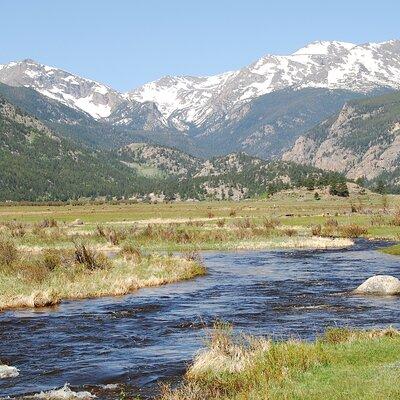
234	176
38	164
362	141
163	161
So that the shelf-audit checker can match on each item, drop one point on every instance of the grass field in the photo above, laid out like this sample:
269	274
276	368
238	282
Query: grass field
300	207
341	365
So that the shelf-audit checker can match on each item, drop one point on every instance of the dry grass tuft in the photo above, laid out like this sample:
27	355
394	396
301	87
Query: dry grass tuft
352	231
271	223
290	232
221	223
226	354
8	252
331	223
89	258
316	230
395	221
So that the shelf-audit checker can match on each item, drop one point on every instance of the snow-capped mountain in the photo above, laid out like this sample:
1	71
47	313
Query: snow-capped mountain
260	109
331	65
83	94
186	100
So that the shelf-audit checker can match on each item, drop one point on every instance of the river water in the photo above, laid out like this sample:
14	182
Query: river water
150	336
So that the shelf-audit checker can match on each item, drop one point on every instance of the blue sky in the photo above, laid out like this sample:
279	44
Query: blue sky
127	43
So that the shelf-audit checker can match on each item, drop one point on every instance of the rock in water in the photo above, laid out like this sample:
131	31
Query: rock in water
380	285
8	372
65	393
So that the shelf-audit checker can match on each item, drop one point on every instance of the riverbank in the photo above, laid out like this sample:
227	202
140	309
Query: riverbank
50	276
342	364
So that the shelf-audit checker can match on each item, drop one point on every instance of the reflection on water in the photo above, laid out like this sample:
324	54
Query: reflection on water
143	338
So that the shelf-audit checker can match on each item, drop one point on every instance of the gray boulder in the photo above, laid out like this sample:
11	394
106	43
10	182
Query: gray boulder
380	285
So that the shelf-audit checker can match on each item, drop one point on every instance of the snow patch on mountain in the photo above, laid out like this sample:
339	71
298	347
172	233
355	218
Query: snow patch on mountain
323	47
83	94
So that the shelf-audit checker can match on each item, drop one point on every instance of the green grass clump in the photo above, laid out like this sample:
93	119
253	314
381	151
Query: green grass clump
392	250
343	364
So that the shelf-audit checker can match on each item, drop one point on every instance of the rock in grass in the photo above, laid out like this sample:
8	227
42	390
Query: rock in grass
77	222
380	285
8	372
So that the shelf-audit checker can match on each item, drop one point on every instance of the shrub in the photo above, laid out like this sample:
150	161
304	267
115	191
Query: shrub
353	231
48	223
90	259
100	231
32	270
271	223
131	252
17	229
290	232
51	259
331	223
193	255
377	220
8	252
221	223
353	208
316	230
244	223
113	237
395	221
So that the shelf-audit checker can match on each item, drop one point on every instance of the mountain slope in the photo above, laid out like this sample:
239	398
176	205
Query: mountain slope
237	176
81	127
162	161
270	124
363	140
83	94
37	164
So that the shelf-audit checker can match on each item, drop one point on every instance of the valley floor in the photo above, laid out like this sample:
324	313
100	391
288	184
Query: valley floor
49	253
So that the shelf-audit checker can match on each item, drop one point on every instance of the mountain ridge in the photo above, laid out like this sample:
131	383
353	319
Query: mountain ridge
326	64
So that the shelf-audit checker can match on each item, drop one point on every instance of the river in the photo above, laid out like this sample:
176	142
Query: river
141	339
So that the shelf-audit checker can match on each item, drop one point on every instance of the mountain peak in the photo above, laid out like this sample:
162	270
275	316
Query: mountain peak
323	47
29	61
